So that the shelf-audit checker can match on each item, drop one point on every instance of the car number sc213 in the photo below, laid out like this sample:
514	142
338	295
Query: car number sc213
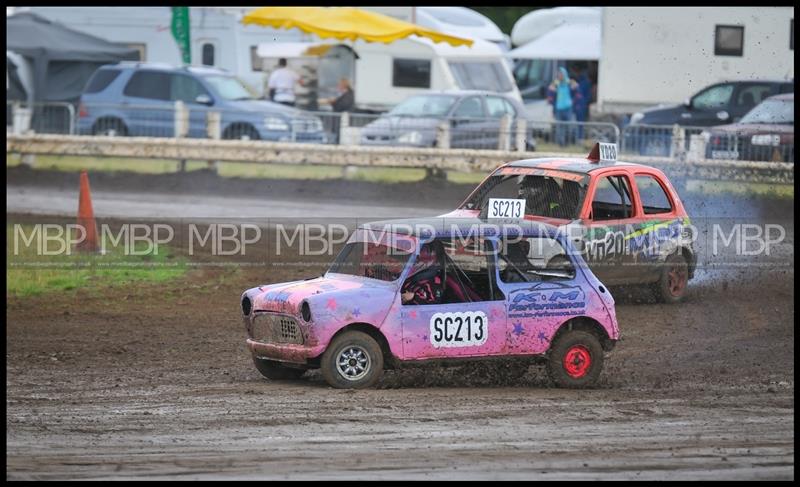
462	329
506	208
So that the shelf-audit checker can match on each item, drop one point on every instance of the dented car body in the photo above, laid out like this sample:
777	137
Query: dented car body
495	295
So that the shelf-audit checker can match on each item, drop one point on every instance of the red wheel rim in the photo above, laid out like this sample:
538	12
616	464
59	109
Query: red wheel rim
577	361
678	276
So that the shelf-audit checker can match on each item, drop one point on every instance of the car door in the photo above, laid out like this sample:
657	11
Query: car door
465	125
657	227
542	291
146	106
709	107
196	99
470	318
606	221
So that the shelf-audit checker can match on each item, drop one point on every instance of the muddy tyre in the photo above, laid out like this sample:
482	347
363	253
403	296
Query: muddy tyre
671	286
353	360
575	360
273	370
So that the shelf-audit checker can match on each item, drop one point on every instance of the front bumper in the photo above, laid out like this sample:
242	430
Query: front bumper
271	346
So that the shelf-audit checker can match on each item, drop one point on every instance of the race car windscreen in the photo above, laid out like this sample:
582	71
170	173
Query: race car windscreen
545	195
372	260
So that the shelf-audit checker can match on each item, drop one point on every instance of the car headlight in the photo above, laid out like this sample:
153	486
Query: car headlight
766	139
637	117
275	123
316	125
410	138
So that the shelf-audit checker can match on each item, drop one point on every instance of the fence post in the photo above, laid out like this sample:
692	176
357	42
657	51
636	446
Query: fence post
344	123
214	131
522	126
676	145
181	124
443	135
504	139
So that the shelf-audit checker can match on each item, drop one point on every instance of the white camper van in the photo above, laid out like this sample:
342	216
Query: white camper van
218	37
383	75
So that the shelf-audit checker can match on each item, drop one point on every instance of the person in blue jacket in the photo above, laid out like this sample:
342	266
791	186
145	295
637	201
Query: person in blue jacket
562	94
582	103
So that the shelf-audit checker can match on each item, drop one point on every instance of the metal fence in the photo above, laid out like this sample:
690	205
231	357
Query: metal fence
40	117
387	130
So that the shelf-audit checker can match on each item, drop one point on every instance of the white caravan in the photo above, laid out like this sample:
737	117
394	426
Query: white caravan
662	55
383	75
218	38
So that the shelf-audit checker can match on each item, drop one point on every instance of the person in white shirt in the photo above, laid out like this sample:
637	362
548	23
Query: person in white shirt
281	84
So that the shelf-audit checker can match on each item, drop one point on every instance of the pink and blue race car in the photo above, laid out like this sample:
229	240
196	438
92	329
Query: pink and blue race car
415	291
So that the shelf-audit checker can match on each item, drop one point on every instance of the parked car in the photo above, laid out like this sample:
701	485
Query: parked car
626	219
474	119
766	133
138	99
719	103
356	320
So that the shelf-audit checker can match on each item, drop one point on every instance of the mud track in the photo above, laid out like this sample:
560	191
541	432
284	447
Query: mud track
154	381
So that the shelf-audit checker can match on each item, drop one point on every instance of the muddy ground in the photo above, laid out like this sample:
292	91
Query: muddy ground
155	381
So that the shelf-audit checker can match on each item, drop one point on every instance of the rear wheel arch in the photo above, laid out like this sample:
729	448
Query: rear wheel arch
587	324
109	121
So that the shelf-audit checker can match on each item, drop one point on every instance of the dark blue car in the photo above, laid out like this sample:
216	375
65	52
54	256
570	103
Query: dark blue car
139	99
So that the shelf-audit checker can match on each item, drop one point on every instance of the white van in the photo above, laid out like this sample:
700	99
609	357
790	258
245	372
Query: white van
383	75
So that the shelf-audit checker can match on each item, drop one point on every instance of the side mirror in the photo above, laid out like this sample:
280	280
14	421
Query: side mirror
204	100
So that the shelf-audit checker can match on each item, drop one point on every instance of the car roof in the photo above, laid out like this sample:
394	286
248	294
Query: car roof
461	227
455	92
576	164
166	67
783	97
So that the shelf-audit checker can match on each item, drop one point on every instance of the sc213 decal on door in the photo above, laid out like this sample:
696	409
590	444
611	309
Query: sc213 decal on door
461	329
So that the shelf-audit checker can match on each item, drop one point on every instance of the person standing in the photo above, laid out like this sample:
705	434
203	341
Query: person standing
281	84
346	99
582	103
561	94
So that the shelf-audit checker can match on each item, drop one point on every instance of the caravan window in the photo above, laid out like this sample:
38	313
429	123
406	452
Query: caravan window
488	76
412	73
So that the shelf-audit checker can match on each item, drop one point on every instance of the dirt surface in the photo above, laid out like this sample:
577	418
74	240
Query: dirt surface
155	381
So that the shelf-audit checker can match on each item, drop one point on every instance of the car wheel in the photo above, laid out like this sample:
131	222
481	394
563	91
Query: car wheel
353	360
241	132
276	371
671	286
109	127
575	360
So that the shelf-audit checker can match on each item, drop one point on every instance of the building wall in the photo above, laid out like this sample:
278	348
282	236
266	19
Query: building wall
654	55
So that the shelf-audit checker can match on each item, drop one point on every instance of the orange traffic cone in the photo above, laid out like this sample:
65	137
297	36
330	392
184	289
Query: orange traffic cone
86	216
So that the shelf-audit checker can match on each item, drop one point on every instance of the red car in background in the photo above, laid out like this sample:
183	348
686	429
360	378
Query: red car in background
626	219
765	133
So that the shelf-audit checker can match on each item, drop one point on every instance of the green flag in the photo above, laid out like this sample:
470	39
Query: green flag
180	31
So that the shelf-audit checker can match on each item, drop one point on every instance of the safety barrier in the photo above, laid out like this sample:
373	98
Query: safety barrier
463	160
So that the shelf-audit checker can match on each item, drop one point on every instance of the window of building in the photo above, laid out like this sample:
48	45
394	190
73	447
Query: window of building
256	62
729	40
208	54
411	73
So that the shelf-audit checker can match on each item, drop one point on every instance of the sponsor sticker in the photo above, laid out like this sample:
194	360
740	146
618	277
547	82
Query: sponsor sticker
461	329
